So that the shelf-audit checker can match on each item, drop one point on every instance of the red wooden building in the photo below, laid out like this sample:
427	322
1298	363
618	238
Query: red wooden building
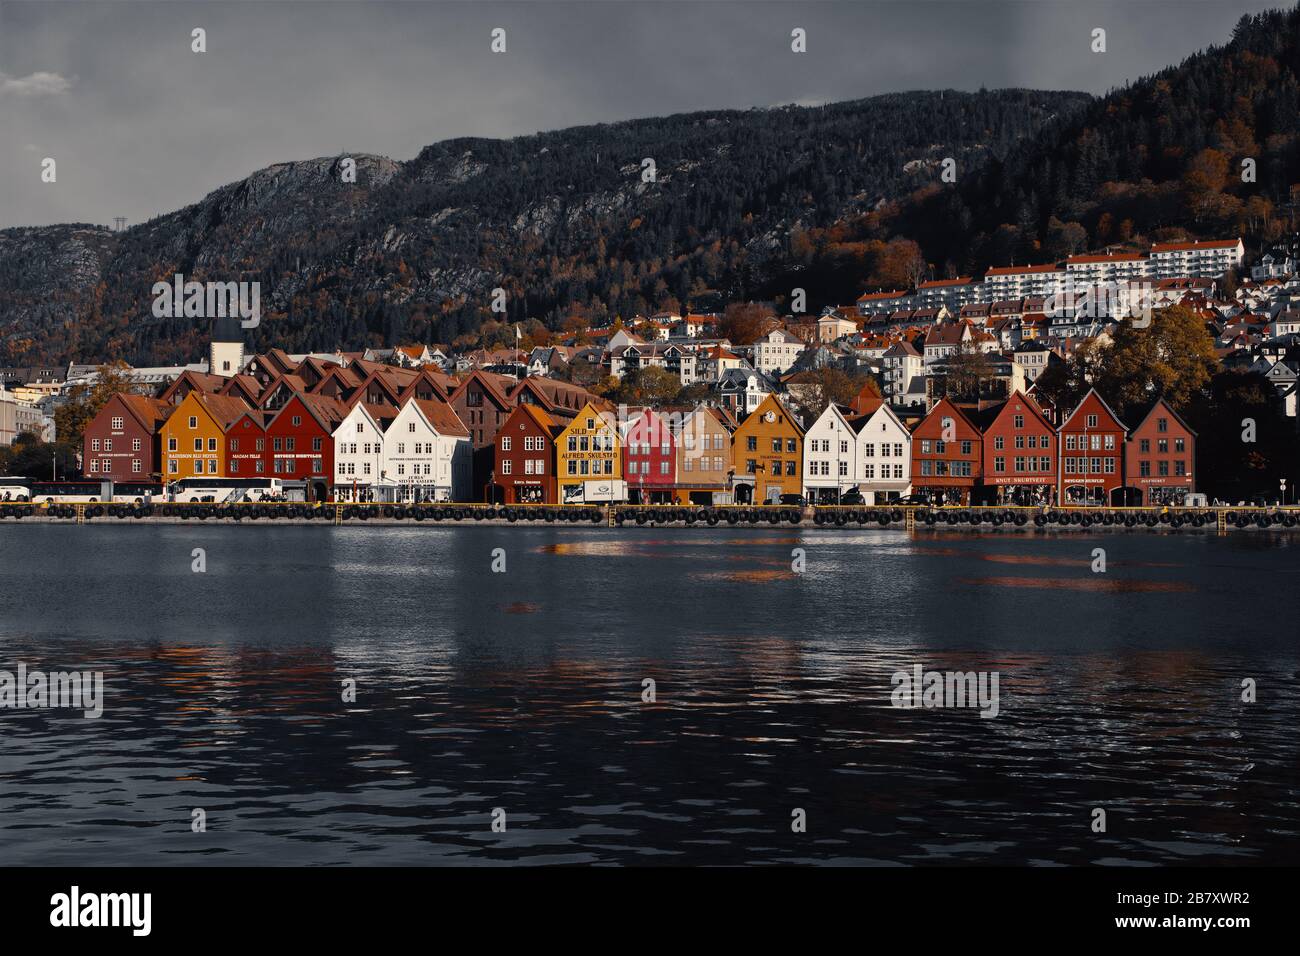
121	443
524	464
1091	443
649	459
300	437
246	445
1019	453
947	454
1159	457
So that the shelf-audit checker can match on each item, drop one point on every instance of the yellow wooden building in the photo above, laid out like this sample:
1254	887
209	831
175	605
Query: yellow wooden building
589	458
194	437
768	452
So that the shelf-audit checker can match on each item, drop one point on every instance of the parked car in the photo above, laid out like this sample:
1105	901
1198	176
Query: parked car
911	500
797	501
853	497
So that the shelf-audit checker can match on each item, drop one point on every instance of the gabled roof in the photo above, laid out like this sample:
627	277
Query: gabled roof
497	387
327	412
150	413
442	417
1110	411
221	408
1143	412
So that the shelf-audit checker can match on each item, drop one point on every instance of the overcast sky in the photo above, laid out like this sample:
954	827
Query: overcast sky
139	124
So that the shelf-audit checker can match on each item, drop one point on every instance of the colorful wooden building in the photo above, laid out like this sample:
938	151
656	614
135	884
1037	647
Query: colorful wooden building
1019	453
589	458
704	455
947	454
1159	456
768	452
1091	445
301	440
193	438
122	442
649	459
524	469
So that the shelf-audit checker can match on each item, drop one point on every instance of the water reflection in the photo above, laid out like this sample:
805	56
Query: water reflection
525	690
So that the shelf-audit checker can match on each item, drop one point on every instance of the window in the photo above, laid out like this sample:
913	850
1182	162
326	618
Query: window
1162	424
360	428
117	423
171	444
94	465
316	444
1092	421
999	443
234	465
751	443
260	445
750	466
194	421
290	443
172	467
1180	445
999	464
212	466
1180	468
1163	467
296	420
1163	446
410	426
94	444
965	448
261	466
198	444
663	467
212	444
792	446
776	445
1144	445
108	444
1019	421
791	468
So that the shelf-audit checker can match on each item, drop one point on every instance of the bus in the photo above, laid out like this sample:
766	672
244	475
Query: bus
137	492
15	489
220	490
71	492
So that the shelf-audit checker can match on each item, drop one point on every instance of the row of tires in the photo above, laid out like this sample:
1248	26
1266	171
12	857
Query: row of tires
709	516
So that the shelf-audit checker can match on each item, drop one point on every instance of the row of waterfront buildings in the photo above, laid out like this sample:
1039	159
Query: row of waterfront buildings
374	432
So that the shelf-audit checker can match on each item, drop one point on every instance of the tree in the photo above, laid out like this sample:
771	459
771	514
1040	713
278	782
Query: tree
85	401
30	457
651	386
1174	358
968	370
744	322
819	387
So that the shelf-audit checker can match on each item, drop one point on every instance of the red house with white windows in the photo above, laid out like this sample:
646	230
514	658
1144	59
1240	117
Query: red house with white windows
947	454
524	462
1091	443
121	443
649	459
300	441
1019	453
1159	457
246	445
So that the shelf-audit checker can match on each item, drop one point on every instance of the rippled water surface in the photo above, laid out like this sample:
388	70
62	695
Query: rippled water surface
523	691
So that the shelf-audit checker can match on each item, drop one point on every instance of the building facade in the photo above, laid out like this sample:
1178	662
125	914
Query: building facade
768	453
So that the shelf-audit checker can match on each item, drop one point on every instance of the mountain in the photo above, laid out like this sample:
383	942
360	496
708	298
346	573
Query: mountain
568	221
1170	156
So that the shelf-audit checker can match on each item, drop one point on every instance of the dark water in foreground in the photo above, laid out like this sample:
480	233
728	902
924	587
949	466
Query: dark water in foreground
522	691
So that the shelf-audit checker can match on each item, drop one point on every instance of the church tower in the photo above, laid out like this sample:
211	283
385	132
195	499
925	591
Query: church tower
226	353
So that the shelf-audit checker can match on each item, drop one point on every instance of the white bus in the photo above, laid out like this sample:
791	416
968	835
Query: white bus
222	490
